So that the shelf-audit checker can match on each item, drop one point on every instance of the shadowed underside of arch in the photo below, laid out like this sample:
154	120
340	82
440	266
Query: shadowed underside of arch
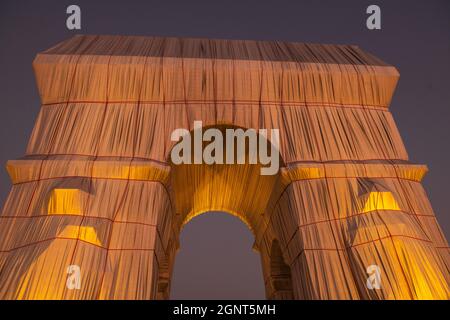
96	190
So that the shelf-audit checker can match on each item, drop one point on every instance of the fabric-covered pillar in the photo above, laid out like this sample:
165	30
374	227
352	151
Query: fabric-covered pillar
103	237
353	232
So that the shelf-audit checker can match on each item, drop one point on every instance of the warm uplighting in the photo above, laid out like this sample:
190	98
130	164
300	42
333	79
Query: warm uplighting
64	201
380	201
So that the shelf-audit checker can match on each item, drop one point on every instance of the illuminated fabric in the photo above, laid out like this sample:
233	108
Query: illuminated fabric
96	188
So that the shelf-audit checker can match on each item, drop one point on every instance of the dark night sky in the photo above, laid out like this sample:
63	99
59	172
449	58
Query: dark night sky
415	37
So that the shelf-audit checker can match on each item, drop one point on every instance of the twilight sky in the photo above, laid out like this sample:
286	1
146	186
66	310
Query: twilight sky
215	259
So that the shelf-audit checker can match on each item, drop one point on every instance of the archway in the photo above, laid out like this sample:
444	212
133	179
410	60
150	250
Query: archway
239	189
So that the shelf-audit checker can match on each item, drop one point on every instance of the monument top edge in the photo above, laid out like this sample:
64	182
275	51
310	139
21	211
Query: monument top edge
203	48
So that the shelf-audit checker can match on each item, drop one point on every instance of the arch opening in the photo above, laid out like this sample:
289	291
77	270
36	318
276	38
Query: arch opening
214	260
280	275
